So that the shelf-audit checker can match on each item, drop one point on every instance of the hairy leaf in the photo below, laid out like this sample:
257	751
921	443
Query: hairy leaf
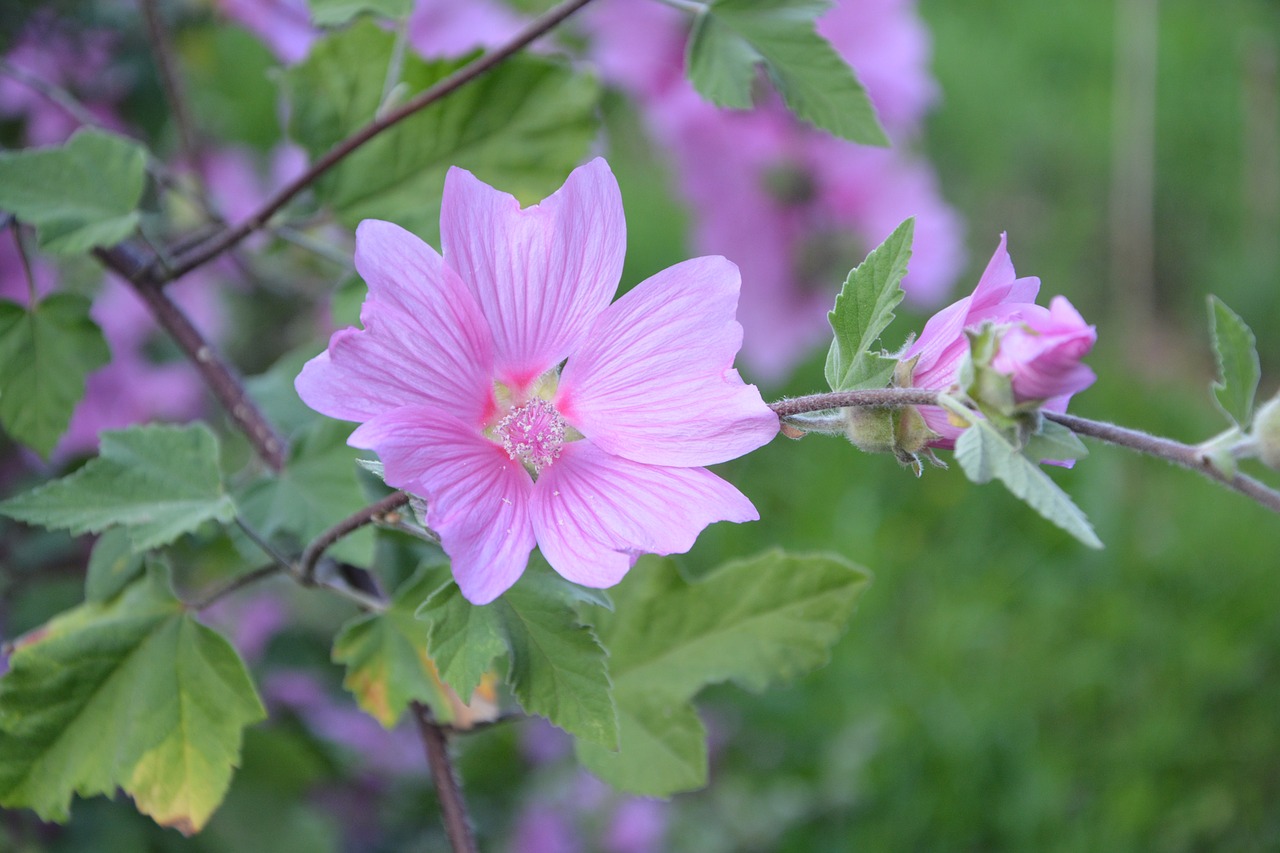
81	194
985	454
731	38
113	565
756	622
863	310
45	356
386	656
158	482
522	126
1238	370
463	639
133	694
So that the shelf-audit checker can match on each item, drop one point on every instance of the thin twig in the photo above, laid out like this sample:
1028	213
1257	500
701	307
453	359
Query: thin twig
311	556
1186	455
216	246
171	82
235	584
452	805
217	373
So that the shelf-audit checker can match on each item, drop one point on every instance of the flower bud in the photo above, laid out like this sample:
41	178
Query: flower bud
1041	355
1266	433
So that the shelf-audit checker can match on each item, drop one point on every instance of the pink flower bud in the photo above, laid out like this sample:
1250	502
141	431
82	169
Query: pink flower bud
1042	353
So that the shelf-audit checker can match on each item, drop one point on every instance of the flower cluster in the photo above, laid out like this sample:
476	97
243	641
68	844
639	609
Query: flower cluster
498	381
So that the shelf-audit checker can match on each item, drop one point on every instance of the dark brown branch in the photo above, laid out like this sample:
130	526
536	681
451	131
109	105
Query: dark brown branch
217	373
214	247
236	584
311	556
171	82
452	805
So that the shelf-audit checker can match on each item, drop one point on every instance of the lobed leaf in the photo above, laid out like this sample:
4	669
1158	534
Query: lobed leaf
756	622
134	694
158	482
463	639
45	356
335	13
730	38
79	195
863	310
985	454
522	126
1239	372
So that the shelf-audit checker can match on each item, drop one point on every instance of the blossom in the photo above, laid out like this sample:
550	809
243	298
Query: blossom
1043	351
1042	354
457	382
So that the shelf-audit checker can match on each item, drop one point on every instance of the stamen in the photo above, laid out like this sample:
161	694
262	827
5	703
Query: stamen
533	434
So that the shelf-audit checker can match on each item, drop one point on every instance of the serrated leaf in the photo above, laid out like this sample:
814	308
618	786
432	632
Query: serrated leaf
1055	442
134	693
158	482
317	489
755	622
45	356
335	13
523	126
1236	350
113	565
985	454
462	639
386	656
730	38
79	195
558	668
863	310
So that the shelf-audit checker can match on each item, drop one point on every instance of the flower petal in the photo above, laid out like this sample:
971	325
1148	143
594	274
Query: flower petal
654	380
541	274
425	341
594	513
477	497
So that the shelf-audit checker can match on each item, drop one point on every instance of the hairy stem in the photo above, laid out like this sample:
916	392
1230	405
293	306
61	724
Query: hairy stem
311	556
230	237
1186	455
452	805
216	372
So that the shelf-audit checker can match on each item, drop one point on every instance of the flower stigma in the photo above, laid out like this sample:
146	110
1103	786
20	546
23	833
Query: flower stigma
533	434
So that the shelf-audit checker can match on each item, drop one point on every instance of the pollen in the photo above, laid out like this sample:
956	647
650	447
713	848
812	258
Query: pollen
533	434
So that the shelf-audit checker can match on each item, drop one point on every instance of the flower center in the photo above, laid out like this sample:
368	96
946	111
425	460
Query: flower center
533	434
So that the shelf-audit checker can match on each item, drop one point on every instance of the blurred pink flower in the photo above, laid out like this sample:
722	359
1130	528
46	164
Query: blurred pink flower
1042	354
638	825
544	828
456	379
1003	299
283	25
792	206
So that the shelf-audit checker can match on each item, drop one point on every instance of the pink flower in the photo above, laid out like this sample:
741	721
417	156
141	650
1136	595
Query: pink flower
456	378
1004	299
1042	354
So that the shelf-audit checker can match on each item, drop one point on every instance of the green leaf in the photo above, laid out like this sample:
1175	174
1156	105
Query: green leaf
1056	442
45	356
731	37
756	622
522	126
863	310
462	639
558	668
113	565
133	694
1238	370
386	656
158	482
335	13
317	489
229	74
985	454
79	195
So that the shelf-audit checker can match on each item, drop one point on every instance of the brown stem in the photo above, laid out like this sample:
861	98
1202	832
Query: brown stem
217	373
171	82
452	805
236	584
311	556
226	239
870	398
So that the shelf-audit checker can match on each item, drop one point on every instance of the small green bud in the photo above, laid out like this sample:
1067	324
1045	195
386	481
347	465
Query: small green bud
871	430
1266	433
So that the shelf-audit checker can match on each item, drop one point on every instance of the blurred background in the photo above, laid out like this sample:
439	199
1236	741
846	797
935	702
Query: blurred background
1001	687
